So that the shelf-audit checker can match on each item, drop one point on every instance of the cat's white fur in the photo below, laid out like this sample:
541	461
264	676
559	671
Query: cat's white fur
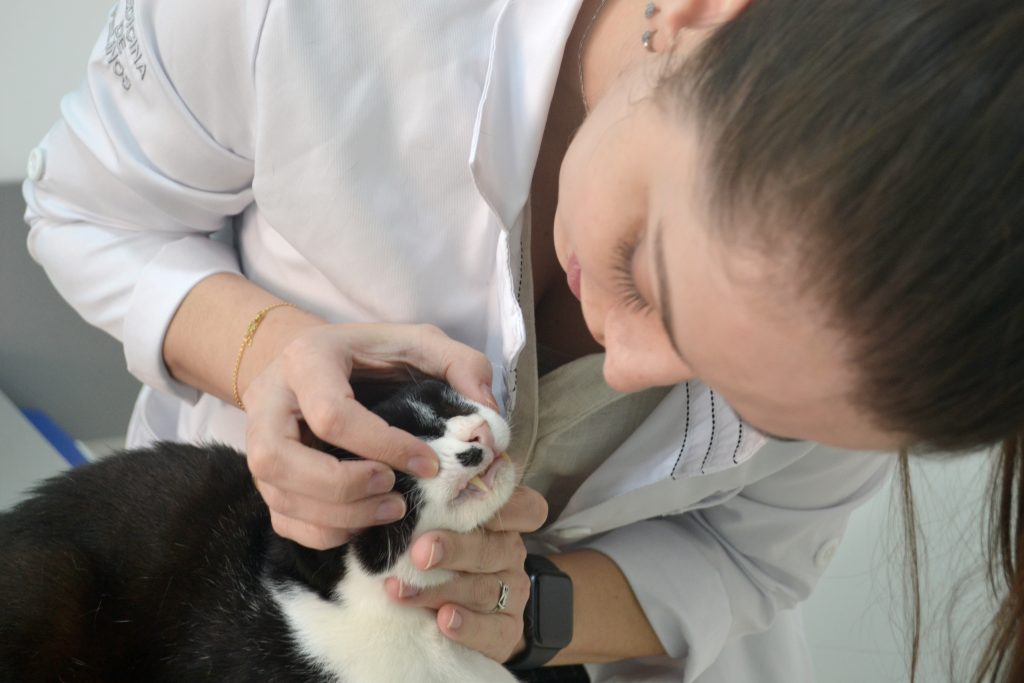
361	635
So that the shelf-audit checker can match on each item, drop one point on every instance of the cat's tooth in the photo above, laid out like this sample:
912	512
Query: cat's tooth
479	483
503	454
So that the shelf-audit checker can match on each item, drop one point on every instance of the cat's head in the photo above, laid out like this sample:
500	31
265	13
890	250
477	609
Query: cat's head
475	477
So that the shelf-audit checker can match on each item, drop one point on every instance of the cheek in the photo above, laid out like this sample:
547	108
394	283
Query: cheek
439	490
568	207
436	492
594	308
638	353
590	189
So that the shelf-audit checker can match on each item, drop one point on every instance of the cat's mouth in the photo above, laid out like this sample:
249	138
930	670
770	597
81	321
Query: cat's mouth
481	485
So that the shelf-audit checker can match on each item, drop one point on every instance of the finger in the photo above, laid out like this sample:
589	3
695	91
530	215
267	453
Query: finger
475	592
329	407
484	552
430	350
466	369
493	635
275	452
525	511
309	535
348	424
294	467
367	512
314	376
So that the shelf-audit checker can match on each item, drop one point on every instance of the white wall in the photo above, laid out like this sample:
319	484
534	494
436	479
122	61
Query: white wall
856	621
44	45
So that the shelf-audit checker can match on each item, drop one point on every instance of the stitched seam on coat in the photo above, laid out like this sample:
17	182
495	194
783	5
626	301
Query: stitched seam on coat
739	441
711	440
686	432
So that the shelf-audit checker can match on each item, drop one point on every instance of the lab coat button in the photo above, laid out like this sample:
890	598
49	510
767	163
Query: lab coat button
572	533
825	553
36	163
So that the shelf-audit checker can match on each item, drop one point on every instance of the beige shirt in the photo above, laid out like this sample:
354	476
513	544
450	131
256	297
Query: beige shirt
580	422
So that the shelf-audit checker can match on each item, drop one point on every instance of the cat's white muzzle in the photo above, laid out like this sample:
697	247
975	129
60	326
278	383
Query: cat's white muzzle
482	484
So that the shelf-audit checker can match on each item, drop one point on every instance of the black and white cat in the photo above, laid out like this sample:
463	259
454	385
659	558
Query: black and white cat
160	564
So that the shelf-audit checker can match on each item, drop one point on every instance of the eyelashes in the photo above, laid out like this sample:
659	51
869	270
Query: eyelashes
625	282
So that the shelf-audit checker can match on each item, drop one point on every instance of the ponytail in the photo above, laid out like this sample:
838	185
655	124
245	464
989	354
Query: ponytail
912	577
1003	657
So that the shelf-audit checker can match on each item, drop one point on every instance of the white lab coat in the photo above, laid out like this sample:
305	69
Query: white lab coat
377	157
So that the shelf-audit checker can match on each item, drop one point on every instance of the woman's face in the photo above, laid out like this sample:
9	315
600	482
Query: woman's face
669	300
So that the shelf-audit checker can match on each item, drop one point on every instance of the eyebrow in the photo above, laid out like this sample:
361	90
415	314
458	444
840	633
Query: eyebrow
664	303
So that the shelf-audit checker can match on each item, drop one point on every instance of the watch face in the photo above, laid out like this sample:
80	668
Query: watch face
553	611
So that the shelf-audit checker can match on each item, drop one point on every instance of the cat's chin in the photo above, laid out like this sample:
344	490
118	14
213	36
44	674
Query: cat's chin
479	501
461	516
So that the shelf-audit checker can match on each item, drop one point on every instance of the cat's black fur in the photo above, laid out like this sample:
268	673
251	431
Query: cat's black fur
148	566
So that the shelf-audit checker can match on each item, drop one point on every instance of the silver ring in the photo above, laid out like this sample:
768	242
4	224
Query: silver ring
502	597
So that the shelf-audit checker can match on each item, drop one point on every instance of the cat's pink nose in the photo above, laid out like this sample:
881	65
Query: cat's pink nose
482	434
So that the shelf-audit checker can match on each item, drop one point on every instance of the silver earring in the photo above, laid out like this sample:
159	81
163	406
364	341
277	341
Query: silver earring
648	40
650	10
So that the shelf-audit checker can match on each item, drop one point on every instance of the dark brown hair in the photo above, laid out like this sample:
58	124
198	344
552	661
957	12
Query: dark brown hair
884	141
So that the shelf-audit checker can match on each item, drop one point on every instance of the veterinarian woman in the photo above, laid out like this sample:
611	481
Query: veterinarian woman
800	218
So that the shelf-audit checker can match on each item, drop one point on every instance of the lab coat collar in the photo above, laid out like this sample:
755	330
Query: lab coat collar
589	516
692	433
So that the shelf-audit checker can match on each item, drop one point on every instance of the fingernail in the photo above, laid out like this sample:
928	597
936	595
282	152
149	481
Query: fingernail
423	466
381	481
455	621
390	510
488	396
436	554
407	591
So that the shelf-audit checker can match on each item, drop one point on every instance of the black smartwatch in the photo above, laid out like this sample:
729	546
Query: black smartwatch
547	621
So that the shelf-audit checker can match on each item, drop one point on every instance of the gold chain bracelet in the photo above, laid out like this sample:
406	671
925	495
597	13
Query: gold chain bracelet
250	332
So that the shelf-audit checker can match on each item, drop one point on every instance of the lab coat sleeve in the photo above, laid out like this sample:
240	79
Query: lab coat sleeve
151	155
708	576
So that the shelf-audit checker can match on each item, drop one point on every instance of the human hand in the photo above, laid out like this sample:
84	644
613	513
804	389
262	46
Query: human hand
315	499
481	558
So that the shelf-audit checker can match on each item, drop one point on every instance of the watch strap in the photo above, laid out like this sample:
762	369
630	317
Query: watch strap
537	653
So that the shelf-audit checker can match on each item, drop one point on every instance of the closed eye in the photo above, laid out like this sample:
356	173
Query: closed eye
625	281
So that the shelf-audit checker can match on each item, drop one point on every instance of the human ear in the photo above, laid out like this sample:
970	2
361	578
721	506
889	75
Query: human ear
676	15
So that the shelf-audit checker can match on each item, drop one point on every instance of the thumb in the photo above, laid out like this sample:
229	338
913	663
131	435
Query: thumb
471	375
466	369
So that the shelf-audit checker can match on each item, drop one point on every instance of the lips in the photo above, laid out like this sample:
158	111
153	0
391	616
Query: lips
572	275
